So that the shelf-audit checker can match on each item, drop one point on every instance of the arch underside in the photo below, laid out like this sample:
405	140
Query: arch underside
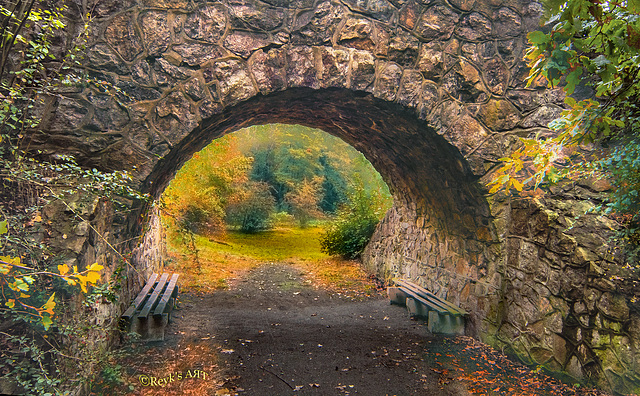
438	231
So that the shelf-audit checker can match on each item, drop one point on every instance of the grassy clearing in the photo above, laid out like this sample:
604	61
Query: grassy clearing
274	245
225	259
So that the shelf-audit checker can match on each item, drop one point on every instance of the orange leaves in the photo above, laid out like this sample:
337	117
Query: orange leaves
305	199
197	196
485	371
63	269
49	305
48	309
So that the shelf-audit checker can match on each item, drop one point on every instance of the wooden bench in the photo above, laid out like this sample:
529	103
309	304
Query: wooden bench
150	312
442	316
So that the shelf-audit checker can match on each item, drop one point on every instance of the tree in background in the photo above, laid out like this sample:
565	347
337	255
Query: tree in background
298	171
334	185
304	201
251	207
198	196
286	155
594	44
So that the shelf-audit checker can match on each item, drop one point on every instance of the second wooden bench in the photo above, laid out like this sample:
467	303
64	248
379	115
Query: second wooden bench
150	312
442	316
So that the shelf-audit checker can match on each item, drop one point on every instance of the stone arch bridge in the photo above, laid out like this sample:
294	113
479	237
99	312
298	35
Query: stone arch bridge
430	91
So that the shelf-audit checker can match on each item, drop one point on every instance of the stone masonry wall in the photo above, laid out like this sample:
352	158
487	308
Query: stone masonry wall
565	306
460	269
86	230
188	72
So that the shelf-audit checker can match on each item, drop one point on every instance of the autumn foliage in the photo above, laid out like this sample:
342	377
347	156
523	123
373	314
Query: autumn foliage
250	179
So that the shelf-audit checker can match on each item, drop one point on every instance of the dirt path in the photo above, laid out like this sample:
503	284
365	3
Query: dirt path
280	336
273	333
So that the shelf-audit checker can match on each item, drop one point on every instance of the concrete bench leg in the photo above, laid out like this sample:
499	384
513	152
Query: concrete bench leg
417	309
151	328
138	325
157	324
445	324
396	296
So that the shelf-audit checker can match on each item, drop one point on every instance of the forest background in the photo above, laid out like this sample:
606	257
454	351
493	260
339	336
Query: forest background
277	176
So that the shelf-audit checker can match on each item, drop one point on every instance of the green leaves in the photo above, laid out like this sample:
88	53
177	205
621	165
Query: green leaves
573	78
351	231
538	38
594	44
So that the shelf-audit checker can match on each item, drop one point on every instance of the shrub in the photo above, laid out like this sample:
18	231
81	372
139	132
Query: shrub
348	236
355	224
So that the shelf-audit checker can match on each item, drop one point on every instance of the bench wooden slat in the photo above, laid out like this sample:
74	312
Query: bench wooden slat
154	296
168	293
141	297
429	300
432	301
452	308
442	316
432	305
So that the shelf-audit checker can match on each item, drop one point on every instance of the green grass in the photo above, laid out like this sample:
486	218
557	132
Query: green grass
220	261
274	245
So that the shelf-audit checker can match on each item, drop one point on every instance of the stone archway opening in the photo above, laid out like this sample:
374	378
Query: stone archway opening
270	192
438	230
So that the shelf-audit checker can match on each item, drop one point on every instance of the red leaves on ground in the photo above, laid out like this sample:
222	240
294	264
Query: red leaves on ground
485	371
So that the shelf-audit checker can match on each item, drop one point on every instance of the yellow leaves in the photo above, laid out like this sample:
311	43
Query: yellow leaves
516	184
63	269
93	277
49	305
532	164
506	177
19	284
10	261
90	276
95	267
496	187
82	281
